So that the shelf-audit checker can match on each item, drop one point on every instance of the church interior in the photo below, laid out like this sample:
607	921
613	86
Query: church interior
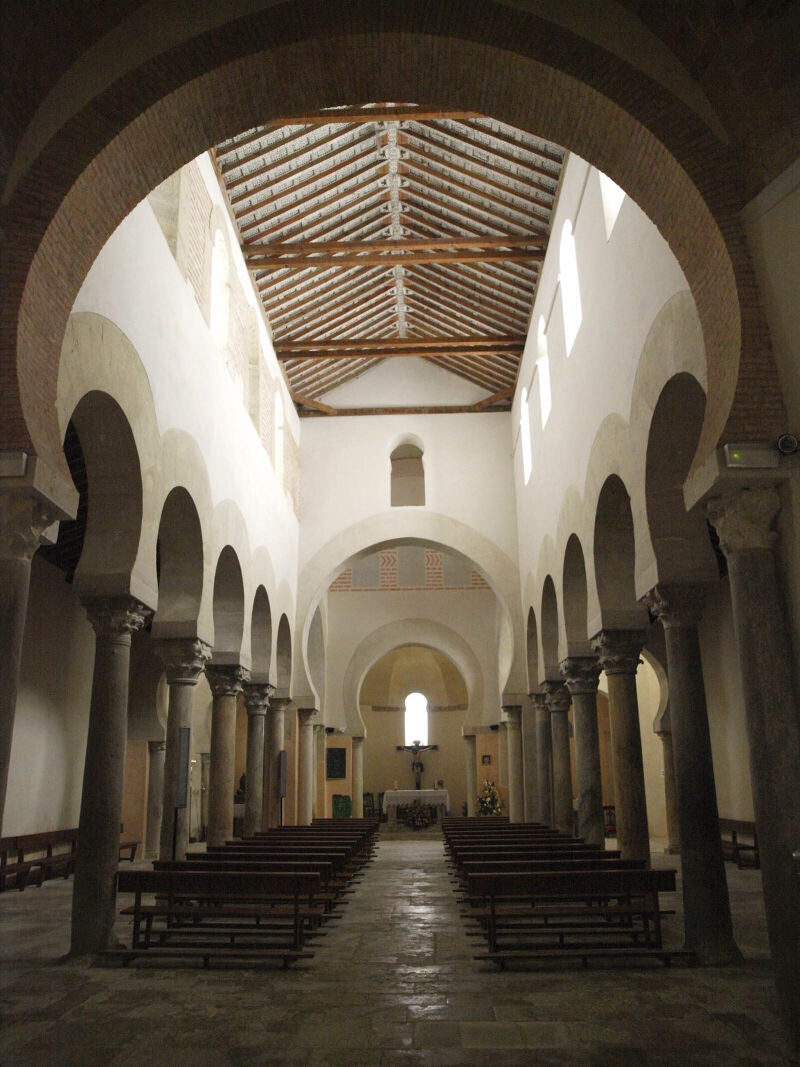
400	406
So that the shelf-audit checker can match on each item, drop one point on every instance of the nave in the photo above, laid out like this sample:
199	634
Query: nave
392	982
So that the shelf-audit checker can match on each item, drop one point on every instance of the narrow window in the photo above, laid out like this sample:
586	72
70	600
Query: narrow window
612	196
570	286
408	477
416	720
525	436
543	372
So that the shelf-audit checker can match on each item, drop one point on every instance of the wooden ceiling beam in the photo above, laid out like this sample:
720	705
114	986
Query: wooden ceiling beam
276	248
401	113
372	193
477	294
262	135
457	212
481	146
328	316
411	166
442	409
284	161
472	313
557	159
391	259
304	347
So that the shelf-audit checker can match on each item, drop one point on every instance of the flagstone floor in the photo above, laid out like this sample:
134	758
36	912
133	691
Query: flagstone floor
393	982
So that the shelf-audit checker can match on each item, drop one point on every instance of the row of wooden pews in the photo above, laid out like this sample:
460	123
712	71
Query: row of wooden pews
253	899
534	893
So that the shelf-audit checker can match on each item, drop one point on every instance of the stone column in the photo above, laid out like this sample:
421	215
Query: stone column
97	859
305	766
22	522
558	702
513	728
471	761
256	699
155	797
581	674
544	758
618	652
226	683
745	522
184	661
358	777
530	785
670	791
502	757
707	921
277	741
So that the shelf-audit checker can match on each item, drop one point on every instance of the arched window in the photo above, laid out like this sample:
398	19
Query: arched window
279	436
543	372
408	477
219	312
525	436
570	285
612	196
416	719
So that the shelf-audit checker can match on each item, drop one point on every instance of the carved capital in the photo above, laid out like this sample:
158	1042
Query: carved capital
305	715
513	714
227	680
618	651
23	519
156	746
279	703
581	674
676	605
557	696
184	658
745	519
116	615
257	697
539	701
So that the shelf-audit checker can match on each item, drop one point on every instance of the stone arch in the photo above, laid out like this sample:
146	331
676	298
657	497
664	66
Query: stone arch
652	131
549	629
228	608
283	657
180	565
315	656
615	557
575	598
679	537
260	637
411	632
114	507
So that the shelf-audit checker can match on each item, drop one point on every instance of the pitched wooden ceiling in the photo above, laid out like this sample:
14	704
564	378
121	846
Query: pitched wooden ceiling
393	231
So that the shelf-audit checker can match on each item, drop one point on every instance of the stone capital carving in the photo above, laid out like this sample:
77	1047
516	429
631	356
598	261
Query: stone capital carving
227	680
115	616
539	701
358	740
157	746
184	658
618	651
513	713
581	674
557	696
23	519
305	715
257	697
745	519
279	703
676	604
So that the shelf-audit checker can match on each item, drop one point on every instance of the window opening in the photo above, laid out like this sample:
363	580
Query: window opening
612	196
407	477
416	719
525	436
543	372
570	286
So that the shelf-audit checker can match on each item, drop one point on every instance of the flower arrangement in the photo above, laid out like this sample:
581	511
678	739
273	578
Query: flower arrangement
418	816
489	800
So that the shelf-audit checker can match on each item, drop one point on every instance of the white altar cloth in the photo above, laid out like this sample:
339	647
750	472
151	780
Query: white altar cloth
392	798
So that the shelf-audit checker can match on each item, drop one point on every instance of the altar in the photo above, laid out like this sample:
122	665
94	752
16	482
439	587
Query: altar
394	798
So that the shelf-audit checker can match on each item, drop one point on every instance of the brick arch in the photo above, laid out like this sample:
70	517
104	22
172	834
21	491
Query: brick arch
308	53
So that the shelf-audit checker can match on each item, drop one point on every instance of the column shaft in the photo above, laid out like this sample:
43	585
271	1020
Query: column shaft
97	859
226	684
744	522
471	760
277	726
305	744
544	759
516	811
558	702
530	785
358	777
256	696
581	674
155	797
670	795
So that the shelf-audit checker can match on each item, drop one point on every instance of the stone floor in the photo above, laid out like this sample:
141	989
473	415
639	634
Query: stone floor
393	982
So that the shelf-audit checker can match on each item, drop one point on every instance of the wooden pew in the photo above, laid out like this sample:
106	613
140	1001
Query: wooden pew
743	853
570	914
15	869
54	850
210	914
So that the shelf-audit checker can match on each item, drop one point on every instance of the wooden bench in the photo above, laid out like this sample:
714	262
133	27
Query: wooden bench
210	914
127	850
15	870
570	914
743	853
53	850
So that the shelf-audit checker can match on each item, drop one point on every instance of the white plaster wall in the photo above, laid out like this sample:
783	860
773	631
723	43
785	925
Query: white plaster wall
49	741
625	280
345	473
405	381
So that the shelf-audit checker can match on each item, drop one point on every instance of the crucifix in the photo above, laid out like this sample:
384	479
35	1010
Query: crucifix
417	766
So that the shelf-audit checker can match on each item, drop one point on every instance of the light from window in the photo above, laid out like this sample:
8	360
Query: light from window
525	436
416	719
543	372
612	196
570	286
